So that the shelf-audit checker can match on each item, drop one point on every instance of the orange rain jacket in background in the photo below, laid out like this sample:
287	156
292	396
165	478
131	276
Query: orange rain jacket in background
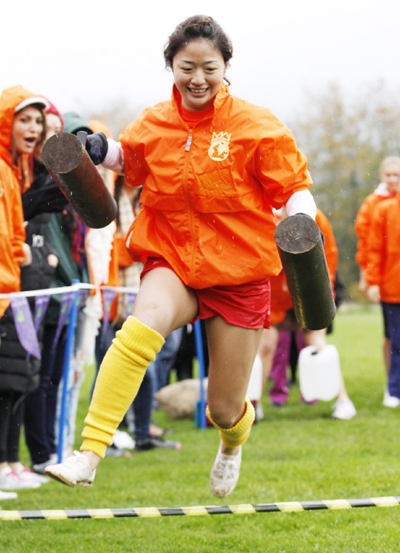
12	233
280	297
384	250
363	222
209	189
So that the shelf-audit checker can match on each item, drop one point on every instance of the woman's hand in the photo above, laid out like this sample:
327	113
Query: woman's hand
28	255
363	284
374	293
97	147
52	260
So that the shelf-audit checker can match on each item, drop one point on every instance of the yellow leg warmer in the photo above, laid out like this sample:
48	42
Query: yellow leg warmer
238	434
118	382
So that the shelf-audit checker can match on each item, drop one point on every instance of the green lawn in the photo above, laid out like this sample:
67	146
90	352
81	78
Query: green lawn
298	453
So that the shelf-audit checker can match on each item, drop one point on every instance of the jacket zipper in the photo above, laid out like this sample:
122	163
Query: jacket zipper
185	187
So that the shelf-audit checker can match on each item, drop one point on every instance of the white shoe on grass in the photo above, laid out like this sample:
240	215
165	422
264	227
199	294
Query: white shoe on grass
8	495
10	480
344	410
390	401
74	471
28	475
225	473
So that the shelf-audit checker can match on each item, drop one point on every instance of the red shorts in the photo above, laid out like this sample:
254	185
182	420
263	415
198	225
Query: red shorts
245	305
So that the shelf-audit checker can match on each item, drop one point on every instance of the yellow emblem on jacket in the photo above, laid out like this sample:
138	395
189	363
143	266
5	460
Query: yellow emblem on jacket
219	149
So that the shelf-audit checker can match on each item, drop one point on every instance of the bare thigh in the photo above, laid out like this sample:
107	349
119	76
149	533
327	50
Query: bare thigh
164	302
232	351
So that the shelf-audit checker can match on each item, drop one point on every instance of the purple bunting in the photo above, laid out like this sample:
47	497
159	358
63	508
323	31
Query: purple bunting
108	296
83	294
25	327
41	303
130	300
67	299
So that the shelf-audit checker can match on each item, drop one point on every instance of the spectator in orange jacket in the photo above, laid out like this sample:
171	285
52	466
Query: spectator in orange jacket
212	167
390	176
22	128
275	343
382	275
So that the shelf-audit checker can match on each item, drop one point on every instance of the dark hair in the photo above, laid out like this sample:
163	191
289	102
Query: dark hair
42	138
197	26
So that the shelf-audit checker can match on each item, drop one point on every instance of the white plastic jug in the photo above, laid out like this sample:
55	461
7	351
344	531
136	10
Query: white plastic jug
254	389
319	373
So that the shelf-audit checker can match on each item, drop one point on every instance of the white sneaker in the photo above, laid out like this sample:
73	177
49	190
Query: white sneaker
122	440
386	394
10	480
259	412
28	475
344	410
75	471
39	467
8	495
225	473
391	401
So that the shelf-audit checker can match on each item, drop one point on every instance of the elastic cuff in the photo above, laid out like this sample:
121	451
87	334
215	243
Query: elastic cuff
145	341
92	445
237	434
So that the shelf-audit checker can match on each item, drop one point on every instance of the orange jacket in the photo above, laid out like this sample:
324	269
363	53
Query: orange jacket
384	250
12	233
209	190
363	222
280	297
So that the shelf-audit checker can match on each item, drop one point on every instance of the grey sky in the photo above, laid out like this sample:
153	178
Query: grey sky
95	53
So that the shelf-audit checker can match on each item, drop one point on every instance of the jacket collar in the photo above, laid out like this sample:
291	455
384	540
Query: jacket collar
221	97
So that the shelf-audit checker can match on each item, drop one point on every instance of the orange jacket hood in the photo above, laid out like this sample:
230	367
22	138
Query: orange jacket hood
9	100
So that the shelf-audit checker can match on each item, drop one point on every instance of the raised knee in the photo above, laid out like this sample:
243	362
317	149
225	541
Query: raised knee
226	414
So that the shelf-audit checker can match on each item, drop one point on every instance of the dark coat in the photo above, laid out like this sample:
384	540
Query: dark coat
17	374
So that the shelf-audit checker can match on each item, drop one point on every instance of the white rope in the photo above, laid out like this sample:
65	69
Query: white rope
72	288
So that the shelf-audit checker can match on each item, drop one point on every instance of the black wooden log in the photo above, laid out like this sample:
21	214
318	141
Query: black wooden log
303	259
72	169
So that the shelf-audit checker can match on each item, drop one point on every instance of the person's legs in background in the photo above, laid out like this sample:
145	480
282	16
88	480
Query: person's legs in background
142	408
393	312
160	369
13	475
40	405
388	400
279	390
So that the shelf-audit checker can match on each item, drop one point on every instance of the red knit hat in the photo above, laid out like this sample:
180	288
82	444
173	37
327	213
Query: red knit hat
52	109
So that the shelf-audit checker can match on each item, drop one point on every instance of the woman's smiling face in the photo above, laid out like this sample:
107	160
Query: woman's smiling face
198	70
27	129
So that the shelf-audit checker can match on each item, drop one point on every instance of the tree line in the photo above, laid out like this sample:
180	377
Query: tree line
345	140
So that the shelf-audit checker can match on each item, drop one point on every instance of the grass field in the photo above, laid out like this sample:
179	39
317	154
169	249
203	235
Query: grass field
298	453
